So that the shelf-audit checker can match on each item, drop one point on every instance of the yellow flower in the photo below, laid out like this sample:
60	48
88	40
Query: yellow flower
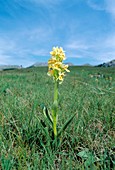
65	67
56	67
58	53
61	76
50	72
51	61
55	51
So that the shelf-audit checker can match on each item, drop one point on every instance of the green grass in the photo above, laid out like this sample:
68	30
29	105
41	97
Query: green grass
89	141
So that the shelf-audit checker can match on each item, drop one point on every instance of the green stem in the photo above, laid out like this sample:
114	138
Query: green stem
55	109
56	91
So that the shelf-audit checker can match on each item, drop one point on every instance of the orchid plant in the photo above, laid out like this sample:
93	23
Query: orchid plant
57	70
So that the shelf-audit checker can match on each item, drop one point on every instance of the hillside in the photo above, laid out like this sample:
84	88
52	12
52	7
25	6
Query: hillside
108	64
9	67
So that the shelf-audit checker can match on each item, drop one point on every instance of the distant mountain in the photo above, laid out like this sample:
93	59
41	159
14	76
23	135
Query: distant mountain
87	64
108	64
69	64
9	67
40	64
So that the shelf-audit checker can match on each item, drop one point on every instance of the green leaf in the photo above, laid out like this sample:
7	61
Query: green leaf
66	125
90	160
88	157
47	114
84	154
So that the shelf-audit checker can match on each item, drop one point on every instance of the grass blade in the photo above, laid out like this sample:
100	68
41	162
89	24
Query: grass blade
47	114
66	125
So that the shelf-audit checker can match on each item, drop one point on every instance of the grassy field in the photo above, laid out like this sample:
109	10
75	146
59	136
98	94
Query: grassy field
89	141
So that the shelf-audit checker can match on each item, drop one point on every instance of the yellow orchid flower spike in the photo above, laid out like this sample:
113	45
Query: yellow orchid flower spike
57	70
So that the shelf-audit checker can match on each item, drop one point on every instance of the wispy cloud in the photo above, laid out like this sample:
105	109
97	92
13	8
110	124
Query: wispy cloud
101	50
110	41
96	4
105	5
29	29
75	45
26	47
110	7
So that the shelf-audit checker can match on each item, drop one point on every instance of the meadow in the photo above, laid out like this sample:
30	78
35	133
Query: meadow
89	141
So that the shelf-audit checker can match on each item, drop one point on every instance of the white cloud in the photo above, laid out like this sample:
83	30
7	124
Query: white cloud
105	5
4	59
96	4
23	48
40	52
105	57
5	44
49	5
110	41
36	40
48	2
77	45
41	34
44	3
101	50
110	7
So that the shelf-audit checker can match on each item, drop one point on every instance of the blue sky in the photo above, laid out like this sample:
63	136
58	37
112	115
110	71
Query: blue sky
30	28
